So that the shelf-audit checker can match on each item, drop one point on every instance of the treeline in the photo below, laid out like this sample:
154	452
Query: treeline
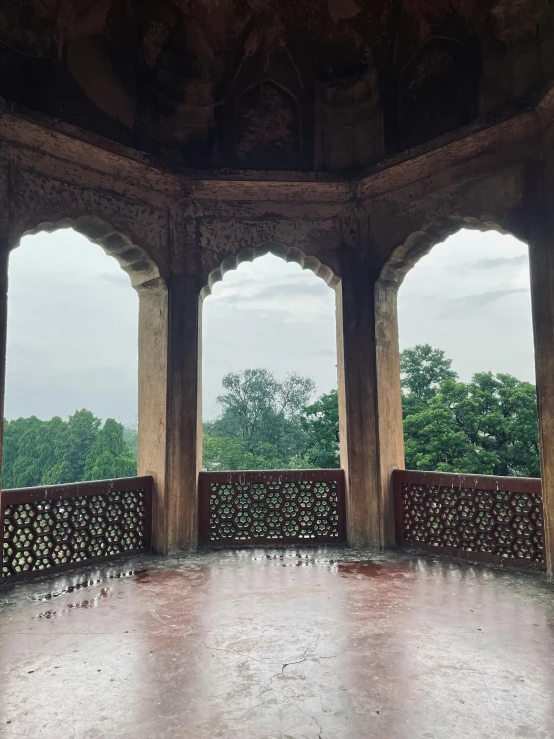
55	452
486	426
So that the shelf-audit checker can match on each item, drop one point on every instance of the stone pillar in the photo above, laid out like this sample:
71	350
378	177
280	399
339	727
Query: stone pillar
152	400
4	257
389	400
169	406
358	402
184	410
541	261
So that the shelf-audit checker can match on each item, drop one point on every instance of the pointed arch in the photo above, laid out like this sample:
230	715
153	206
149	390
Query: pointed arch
152	289
387	351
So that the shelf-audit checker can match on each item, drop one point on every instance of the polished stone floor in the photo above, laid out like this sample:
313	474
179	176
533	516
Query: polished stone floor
275	644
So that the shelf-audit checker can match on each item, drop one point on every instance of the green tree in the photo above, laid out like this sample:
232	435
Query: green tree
498	414
110	456
260	410
321	424
109	467
131	437
434	441
52	446
423	370
230	453
59	474
83	430
25	470
51	452
487	426
10	451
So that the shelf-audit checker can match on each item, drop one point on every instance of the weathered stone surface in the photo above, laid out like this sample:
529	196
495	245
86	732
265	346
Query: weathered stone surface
279	643
274	84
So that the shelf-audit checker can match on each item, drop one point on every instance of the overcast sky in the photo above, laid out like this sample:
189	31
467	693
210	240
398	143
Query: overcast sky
72	328
470	296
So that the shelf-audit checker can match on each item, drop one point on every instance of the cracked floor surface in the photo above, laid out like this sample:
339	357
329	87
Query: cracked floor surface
275	644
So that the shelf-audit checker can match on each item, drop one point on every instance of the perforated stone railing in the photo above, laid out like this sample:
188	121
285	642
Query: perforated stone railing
289	507
58	527
489	519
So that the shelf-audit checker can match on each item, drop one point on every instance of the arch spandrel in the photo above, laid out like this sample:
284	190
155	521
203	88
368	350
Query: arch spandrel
314	244
410	229
131	231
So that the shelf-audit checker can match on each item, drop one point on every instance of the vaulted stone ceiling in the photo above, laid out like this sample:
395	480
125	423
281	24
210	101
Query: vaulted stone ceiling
274	84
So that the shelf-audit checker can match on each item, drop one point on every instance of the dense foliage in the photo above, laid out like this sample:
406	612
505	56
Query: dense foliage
268	424
485	426
54	452
320	422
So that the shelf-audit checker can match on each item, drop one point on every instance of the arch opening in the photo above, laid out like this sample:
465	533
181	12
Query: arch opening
467	374
269	353
71	372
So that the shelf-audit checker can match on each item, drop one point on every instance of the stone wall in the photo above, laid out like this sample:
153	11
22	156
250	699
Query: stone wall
176	234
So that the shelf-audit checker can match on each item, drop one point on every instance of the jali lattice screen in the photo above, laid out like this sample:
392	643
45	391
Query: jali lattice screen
291	507
485	518
54	528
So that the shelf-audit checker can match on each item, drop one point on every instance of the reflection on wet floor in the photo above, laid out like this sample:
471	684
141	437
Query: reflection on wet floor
279	643
87	603
85	584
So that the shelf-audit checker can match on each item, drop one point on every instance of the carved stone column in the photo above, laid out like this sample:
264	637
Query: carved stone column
184	410
356	354
152	401
169	406
541	259
389	401
4	256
